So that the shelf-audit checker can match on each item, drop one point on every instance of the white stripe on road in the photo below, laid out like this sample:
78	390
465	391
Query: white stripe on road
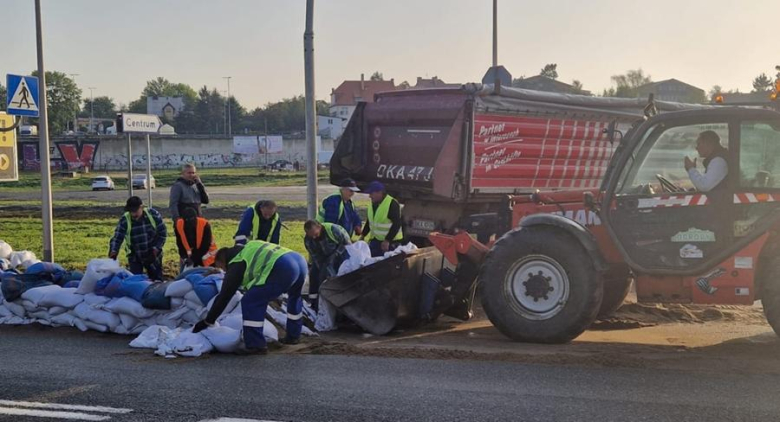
58	406
52	414
236	420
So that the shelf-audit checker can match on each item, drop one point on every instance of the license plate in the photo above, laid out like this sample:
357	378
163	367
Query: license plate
424	225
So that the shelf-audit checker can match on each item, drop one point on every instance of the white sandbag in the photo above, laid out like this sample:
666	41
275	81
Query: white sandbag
191	296
278	316
96	270
191	317
234	321
5	312
120	329
326	317
36	295
89	314
15	320
65	319
17	258
176	315
359	252
128	321
94	326
224	339
178	288
177	302
190	344
27	263
164	321
5	250
127	305
79	324
29	306
16	308
94	300
194	306
57	310
140	328
234	301
40	315
64	297
270	332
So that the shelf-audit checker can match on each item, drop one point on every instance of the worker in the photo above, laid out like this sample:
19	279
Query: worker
187	192
195	240
339	209
715	162
265	271
260	222
327	247
143	232
384	227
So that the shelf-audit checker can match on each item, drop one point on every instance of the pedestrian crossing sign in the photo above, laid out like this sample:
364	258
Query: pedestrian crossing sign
22	97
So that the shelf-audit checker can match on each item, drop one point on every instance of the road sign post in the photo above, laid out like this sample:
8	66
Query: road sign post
139	123
8	162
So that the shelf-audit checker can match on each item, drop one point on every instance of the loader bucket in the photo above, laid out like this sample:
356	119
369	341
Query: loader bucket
386	294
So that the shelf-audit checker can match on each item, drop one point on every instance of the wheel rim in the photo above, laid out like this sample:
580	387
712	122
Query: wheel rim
539	286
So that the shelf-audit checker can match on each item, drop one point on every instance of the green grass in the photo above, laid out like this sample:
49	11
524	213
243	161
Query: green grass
245	176
76	242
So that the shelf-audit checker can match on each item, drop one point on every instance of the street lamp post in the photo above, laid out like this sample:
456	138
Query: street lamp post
75	116
91	109
43	147
229	120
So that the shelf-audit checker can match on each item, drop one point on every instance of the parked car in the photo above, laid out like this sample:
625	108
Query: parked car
281	165
139	182
102	183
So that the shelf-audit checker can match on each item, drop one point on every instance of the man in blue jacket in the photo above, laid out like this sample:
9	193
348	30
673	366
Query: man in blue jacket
339	209
260	222
143	232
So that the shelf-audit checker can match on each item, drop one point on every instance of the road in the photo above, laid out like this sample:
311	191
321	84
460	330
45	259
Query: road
92	376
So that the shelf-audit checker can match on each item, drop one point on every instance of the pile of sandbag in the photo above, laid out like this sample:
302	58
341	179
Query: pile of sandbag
360	256
11	260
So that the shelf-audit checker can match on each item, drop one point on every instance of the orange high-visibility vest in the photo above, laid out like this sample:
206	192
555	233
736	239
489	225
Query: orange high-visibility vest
211	255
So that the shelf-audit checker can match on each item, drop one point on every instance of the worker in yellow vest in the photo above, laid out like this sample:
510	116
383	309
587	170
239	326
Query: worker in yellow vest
260	222
384	227
264	271
327	246
195	240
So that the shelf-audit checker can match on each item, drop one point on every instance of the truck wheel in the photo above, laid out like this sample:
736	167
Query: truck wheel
617	284
538	284
770	293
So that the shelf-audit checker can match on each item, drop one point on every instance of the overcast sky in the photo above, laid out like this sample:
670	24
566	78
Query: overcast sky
116	46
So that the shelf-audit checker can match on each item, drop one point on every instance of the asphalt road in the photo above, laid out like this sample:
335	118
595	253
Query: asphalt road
46	370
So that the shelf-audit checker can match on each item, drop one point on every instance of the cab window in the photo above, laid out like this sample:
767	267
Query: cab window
658	165
759	155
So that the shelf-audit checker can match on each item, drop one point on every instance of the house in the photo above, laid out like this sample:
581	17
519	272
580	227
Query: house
433	82
345	98
543	83
330	127
672	90
167	107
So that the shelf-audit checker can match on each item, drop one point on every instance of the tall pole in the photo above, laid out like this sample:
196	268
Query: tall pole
266	142
129	165
75	116
311	119
43	128
149	168
91	109
495	33
229	119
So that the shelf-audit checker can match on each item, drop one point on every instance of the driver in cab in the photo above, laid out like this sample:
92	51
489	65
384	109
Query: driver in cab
715	165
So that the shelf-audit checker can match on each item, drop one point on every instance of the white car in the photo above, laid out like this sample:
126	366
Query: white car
139	182
102	183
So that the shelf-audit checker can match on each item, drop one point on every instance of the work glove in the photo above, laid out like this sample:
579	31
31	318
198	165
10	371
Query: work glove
200	326
358	231
112	255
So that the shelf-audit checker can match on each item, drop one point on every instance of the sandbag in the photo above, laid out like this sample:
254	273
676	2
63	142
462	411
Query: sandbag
193	297
94	326
154	297
186	343
178	288
234	302
326	316
124	284
190	317
5	264
177	302
5	312
128	306
29	306
89	314
16	308
36	295
224	339
97	269
57	310
13	284
55	270
64	297
17	258
206	287
94	300
129	321
5	250
64	320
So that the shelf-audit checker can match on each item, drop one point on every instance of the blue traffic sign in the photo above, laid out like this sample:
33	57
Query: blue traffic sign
22	96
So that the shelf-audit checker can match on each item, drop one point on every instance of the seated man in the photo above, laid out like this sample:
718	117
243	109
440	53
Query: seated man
716	166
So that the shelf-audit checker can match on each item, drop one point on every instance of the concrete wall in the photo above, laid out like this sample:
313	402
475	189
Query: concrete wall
110	152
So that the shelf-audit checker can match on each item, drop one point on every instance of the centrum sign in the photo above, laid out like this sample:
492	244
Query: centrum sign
137	123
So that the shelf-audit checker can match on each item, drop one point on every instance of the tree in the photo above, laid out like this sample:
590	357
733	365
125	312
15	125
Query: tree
64	97
377	76
550	70
161	87
2	97
578	89
716	89
104	107
404	85
627	84
285	116
762	83
516	82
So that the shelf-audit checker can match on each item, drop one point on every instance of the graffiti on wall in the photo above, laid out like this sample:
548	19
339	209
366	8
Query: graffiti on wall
70	155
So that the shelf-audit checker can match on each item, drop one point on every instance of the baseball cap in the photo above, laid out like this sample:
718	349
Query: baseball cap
349	184
133	203
374	186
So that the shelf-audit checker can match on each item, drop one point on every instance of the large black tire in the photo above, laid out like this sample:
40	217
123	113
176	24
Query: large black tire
504	287
617	284
769	280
